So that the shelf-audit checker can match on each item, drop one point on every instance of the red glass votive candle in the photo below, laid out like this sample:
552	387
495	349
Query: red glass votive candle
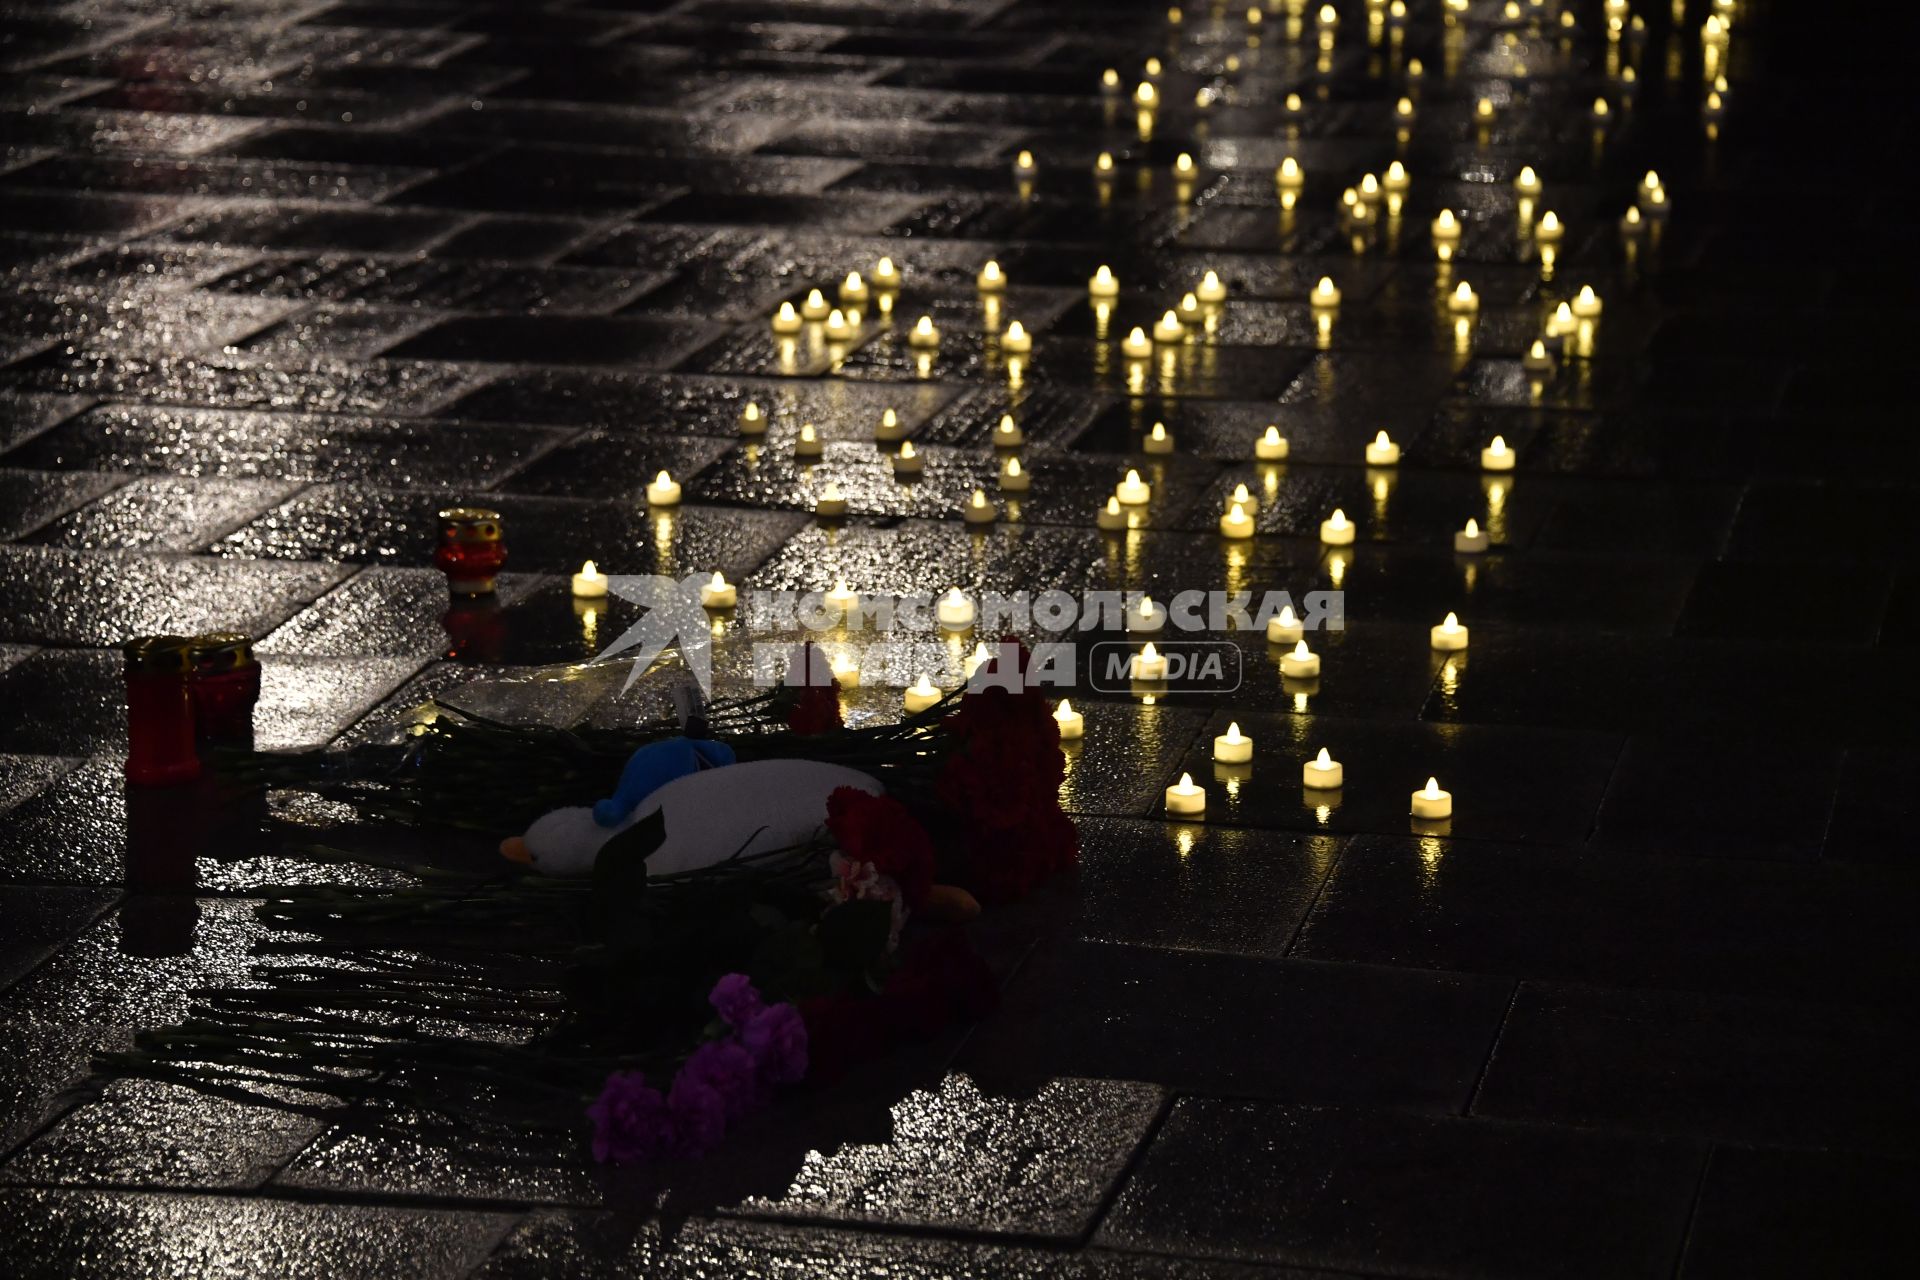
471	549
160	739
225	685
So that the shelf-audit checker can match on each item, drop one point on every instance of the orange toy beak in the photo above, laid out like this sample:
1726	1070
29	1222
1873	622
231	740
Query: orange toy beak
514	849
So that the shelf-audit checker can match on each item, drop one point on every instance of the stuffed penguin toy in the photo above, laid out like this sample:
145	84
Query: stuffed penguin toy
711	811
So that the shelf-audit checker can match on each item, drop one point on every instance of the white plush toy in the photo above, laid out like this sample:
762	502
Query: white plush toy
711	815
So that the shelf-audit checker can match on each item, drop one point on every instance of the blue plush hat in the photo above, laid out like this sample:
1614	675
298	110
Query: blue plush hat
655	765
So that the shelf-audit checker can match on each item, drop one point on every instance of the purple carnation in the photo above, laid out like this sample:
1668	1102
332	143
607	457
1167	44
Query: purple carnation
699	1114
630	1120
735	1000
729	1070
777	1039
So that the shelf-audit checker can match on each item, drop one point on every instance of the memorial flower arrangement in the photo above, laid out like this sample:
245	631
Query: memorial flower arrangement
704	912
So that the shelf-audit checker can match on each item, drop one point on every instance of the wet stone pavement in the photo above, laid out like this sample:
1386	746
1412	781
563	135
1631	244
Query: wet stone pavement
288	276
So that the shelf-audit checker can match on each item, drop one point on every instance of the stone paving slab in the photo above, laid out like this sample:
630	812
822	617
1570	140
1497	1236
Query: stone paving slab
289	276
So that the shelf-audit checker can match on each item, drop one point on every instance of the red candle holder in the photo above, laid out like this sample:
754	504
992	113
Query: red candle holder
225	686
471	549
160	738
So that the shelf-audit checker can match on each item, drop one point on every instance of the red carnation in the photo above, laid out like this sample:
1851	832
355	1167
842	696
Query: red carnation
882	831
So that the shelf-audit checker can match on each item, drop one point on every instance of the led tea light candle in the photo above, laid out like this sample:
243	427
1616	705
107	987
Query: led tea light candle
978	510
1397	178
1168	329
1538	359
909	461
842	599
886	275
1109	81
979	658
853	289
1146	96
1149	664
1189	310
816	306
1111	518
786	319
1463	301
1243	497
839	328
1483	110
1292	105
589	583
807	443
1561	322
920	695
1631	223
1431	804
1184	169
1016	340
1008	435
1103	163
1382	451
889	428
717	593
752	421
1136	345
1586	304
1104	284
1300	664
846	672
1285	627
1403	111
1185	799
1323	772
1158	440
991	279
1073	725
923	335
1336	530
1329	18
1024	166
1236	523
1271	446
1146	616
1496	456
1528	182
1449	636
1369	191
1233	746
1326	295
1471	539
954	611
1211	290
1013	479
832	504
1549	231
1289	174
664	491
1446	227
1133	491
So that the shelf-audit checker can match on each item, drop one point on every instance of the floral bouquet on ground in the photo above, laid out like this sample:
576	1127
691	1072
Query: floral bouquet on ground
693	915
